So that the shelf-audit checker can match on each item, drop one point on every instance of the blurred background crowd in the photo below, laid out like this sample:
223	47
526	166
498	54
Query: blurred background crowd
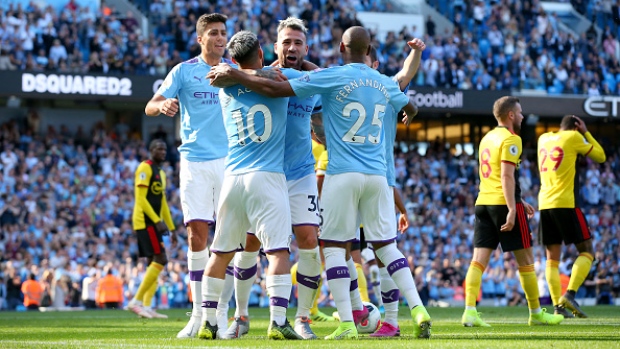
66	199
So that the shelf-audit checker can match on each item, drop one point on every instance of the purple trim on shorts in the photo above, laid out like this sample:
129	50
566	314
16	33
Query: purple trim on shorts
245	274
302	224
278	249
209	221
278	302
208	304
397	265
381	241
376	283
218	251
196	275
249	232
336	241
390	296
309	281
229	270
356	241
341	272
353	285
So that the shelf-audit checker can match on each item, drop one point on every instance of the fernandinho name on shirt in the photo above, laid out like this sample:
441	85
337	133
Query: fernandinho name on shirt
353	84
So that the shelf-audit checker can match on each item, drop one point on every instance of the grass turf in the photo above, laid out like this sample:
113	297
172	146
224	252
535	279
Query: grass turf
122	329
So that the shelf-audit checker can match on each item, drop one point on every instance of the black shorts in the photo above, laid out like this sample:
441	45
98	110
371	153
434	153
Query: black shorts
360	244
566	225
150	242
490	218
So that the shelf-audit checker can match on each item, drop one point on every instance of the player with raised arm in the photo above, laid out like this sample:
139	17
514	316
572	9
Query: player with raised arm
254	193
501	215
354	98
151	220
291	49
560	218
203	148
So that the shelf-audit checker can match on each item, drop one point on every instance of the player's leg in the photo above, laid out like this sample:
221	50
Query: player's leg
340	201
231	215
390	296
269	215
149	243
357	274
368	257
222	304
486	240
519	241
200	184
581	237
245	273
158	260
377	229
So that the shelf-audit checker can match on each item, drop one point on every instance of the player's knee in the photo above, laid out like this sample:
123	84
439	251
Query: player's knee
252	244
585	247
307	241
161	259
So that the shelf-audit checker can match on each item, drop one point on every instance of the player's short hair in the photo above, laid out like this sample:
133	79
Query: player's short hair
293	23
208	18
503	106
154	143
373	54
243	47
568	122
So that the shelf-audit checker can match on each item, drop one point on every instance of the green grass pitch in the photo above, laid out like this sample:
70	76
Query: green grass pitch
122	329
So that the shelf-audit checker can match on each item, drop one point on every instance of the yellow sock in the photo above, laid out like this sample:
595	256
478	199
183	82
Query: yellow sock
148	295
294	274
361	283
553	280
150	277
529	283
580	271
473	280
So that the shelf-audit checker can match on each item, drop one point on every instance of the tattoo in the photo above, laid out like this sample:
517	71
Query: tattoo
316	121
267	73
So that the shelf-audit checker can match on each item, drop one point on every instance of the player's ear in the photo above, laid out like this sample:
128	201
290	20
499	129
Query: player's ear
341	47
375	65
260	53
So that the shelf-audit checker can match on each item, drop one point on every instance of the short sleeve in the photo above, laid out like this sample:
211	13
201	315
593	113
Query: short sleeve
314	82
511	150
143	175
318	104
170	87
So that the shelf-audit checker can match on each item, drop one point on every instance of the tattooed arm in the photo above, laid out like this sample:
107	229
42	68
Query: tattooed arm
410	67
270	83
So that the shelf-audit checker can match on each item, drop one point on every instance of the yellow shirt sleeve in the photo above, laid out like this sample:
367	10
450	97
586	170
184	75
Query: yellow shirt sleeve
143	175
511	150
321	167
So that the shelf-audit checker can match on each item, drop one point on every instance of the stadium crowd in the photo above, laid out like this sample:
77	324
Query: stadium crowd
66	203
495	45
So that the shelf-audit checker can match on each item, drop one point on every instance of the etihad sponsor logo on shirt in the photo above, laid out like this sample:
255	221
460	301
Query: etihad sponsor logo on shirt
437	99
602	106
76	84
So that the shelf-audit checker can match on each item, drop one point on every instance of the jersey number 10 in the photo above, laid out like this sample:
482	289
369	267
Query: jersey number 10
238	117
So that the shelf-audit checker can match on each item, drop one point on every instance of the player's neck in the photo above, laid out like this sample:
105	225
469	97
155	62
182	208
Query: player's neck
211	58
255	65
506	125
347	59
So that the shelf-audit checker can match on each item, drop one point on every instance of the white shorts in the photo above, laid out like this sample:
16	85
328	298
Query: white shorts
256	202
392	229
303	197
200	186
345	196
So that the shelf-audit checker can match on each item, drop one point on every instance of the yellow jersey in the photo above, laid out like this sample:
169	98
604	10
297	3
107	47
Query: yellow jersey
497	146
150	209
321	166
317	150
557	158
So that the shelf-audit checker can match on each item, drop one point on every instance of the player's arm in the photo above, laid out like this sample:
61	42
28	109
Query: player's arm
403	220
410	111
161	105
592	149
411	64
143	177
316	122
263	82
165	214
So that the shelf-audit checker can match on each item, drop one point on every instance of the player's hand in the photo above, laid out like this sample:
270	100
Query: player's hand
403	223
173	238
162	228
581	126
417	44
407	117
220	75
529	209
510	221
170	107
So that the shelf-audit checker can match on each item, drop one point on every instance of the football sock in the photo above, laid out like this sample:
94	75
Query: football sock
150	278
308	279
580	271
354	290
339	281
375	281
552	273
390	296
473	280
149	294
529	283
398	268
245	275
196	263
362	283
279	290
227	292
212	291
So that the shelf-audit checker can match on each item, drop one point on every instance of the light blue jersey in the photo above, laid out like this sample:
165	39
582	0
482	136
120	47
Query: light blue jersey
203	137
298	158
355	99
390	121
256	126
